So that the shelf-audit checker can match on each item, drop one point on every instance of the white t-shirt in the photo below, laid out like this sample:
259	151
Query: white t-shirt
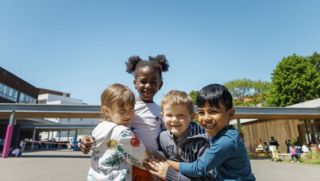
115	146
147	123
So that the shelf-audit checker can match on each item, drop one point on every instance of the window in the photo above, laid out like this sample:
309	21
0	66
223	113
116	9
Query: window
8	92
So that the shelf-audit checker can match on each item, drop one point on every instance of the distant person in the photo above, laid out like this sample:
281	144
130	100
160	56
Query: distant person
273	147
227	153
305	148
147	122
298	148
294	154
288	145
22	144
115	144
16	152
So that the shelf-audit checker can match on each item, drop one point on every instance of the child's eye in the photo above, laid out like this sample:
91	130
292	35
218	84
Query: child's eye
143	81
213	112
200	113
169	115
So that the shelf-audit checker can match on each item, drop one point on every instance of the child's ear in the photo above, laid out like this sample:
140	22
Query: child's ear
231	113
161	113
135	84
105	110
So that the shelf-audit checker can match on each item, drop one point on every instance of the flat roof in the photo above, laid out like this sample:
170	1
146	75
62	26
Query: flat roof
87	111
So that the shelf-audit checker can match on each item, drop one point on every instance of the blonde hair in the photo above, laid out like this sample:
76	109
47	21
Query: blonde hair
116	94
176	97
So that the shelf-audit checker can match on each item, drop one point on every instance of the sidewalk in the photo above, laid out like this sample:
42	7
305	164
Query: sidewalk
70	165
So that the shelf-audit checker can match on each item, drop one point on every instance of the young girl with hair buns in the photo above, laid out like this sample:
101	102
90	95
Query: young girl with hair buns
147	122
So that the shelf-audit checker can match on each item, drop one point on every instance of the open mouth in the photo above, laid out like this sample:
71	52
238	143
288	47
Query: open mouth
148	93
209	125
175	126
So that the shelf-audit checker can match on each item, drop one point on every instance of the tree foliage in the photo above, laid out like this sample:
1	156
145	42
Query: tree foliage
295	79
248	92
193	94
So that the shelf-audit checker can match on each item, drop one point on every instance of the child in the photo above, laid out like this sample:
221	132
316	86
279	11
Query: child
184	141
147	123
294	154
115	144
227	153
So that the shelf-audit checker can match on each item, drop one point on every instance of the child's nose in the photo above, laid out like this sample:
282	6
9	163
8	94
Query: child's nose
207	117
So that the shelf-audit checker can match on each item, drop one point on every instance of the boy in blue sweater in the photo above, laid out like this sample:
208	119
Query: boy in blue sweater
227	153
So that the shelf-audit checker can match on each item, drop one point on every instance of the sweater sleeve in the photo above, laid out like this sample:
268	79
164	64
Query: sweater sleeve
131	148
211	158
173	175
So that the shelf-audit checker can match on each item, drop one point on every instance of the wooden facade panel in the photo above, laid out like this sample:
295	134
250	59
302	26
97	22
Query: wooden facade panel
264	129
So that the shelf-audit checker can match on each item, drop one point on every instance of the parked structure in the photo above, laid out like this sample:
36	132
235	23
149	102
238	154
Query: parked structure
301	129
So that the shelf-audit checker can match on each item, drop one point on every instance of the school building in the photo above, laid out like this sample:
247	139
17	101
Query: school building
14	89
300	129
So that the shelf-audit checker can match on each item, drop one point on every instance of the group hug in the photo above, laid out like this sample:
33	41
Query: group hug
139	140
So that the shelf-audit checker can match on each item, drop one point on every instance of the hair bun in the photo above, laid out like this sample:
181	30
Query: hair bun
132	63
162	60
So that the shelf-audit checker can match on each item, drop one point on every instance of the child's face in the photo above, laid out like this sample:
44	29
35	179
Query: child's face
176	118
119	115
147	82
214	119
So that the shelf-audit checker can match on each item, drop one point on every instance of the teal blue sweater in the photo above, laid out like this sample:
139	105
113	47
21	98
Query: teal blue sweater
227	154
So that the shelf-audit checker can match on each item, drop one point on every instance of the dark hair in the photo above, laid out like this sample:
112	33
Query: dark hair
215	94
159	63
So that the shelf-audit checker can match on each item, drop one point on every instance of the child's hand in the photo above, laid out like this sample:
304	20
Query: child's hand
158	168
86	144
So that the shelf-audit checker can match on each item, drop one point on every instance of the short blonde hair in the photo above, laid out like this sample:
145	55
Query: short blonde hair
176	97
116	94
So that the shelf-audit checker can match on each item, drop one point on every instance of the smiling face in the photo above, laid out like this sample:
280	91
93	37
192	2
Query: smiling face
147	82
177	118
214	119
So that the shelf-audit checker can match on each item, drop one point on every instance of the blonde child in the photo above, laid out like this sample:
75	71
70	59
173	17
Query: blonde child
227	153
184	140
115	145
147	122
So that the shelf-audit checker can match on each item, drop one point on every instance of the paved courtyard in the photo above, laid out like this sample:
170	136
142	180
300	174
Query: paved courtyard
68	165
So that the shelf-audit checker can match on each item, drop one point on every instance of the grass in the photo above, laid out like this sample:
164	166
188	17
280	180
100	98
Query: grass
311	158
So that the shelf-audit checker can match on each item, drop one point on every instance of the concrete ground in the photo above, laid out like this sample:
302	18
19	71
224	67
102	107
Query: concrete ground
69	165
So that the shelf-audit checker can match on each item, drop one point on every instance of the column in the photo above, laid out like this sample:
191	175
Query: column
33	138
75	142
7	139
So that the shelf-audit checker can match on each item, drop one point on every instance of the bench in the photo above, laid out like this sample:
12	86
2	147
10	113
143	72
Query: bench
284	156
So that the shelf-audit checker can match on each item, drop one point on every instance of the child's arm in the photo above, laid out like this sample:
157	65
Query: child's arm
212	157
86	144
163	170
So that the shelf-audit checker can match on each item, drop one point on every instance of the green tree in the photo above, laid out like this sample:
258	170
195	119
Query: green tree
193	94
315	60
248	92
295	79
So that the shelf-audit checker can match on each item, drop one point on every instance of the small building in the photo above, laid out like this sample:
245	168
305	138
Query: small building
52	97
303	131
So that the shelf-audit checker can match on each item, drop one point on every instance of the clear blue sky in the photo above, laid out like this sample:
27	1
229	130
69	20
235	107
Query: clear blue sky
80	46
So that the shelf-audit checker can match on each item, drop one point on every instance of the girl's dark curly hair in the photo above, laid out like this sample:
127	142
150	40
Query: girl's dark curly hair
159	63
